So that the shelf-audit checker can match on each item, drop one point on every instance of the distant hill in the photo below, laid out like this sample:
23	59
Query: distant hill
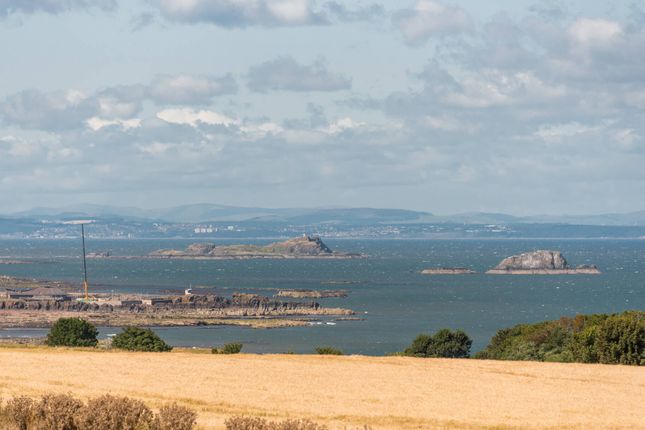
210	212
205	212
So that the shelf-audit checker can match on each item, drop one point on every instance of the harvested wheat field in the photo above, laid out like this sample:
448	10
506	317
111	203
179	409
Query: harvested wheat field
344	392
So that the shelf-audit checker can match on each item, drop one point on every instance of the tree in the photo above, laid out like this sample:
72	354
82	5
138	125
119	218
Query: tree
444	343
139	339
450	344
419	346
72	332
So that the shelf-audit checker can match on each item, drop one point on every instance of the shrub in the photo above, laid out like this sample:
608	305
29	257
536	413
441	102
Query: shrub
229	348
175	417
58	412
328	350
444	343
545	341
21	412
115	413
601	338
621	339
64	412
249	423
72	332
582	345
138	339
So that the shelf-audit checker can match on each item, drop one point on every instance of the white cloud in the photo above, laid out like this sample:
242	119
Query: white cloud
430	18
595	32
193	118
343	124
256	131
96	123
241	13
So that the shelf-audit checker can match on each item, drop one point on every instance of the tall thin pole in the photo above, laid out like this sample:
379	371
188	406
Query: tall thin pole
84	264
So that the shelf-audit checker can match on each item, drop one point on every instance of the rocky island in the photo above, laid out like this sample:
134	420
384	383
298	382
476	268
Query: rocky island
540	263
299	247
448	271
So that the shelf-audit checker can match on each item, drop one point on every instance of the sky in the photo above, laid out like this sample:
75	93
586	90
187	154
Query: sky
521	107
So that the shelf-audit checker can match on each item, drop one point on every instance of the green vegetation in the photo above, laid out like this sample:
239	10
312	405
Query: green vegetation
328	350
64	412
601	338
444	343
229	348
139	339
72	332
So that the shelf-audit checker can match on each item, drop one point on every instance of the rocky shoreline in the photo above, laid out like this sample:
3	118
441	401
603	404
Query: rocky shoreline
38	304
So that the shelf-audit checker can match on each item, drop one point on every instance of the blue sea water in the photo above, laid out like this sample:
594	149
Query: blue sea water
394	302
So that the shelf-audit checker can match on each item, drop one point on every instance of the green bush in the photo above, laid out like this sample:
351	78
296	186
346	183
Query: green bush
328	350
444	343
582	345
139	339
621	340
229	348
601	338
72	332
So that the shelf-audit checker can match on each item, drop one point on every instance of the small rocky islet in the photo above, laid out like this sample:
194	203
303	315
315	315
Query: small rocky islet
541	262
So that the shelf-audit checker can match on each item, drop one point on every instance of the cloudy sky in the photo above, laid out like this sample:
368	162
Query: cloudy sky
510	106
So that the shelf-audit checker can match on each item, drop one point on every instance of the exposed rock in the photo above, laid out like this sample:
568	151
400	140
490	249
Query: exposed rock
304	245
538	263
200	249
313	294
448	271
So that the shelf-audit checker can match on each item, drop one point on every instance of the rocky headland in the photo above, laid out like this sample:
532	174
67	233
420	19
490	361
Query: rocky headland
448	271
32	303
542	262
299	247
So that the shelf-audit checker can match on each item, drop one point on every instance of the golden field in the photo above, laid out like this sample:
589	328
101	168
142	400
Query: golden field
344	392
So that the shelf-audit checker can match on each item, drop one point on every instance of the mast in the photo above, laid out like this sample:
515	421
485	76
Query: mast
85	286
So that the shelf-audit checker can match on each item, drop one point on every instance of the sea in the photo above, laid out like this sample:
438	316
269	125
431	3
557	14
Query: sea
392	300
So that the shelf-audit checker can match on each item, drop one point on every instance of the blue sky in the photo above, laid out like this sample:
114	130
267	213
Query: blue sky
523	107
